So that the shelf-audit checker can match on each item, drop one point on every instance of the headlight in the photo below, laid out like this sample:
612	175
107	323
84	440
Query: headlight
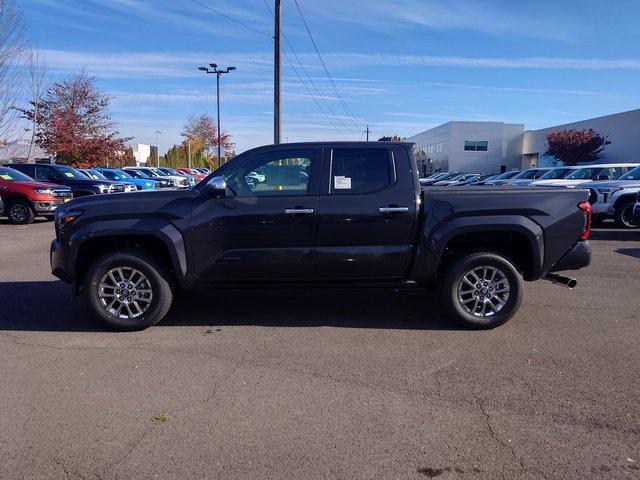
149	184
43	191
103	188
64	217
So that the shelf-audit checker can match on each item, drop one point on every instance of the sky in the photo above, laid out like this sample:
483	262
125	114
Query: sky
399	66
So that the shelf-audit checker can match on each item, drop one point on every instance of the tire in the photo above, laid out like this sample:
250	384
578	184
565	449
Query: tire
624	216
470	306
148	301
20	212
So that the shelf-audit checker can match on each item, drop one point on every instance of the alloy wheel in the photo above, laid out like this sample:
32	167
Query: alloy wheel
19	213
483	291
125	292
627	217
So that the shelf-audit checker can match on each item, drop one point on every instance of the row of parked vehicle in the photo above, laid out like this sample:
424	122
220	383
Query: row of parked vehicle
614	188
28	190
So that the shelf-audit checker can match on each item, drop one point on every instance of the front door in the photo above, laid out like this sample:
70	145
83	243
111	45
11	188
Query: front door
366	213
264	228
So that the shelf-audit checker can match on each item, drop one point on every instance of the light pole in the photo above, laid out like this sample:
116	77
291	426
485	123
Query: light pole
158	132
214	69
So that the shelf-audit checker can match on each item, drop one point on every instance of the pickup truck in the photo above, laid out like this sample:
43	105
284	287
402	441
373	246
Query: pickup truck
327	214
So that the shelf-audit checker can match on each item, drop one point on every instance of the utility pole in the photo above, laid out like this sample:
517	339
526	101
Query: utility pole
158	132
277	124
214	69
367	131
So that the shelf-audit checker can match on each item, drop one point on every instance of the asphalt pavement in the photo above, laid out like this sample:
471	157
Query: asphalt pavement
313	384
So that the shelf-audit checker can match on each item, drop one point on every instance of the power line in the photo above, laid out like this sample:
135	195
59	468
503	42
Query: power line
313	84
229	17
326	70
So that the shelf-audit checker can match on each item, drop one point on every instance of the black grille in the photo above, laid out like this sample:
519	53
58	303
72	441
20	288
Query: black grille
119	188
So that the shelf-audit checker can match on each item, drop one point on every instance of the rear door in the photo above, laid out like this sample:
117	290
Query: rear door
366	213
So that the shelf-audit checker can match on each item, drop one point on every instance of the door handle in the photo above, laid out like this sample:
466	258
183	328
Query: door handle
298	211
393	209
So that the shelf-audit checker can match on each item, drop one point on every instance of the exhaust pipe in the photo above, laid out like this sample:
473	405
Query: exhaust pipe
561	279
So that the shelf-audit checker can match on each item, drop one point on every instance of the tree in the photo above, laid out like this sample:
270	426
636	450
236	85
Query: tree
572	147
203	133
74	124
12	51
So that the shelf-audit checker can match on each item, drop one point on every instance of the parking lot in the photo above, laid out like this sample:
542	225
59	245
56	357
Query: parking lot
321	384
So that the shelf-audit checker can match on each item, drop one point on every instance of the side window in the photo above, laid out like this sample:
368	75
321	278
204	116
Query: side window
286	172
360	170
44	174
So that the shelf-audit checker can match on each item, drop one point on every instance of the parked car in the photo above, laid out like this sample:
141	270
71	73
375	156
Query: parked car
458	179
599	172
615	198
173	172
359	218
22	198
161	182
150	172
117	175
554	174
523	178
63	175
193	172
446	176
502	176
434	177
94	174
206	171
476	179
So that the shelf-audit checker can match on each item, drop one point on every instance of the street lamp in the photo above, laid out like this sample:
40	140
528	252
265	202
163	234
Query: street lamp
213	68
158	132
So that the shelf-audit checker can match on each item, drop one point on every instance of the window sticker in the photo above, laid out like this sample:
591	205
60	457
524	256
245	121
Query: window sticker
6	177
342	183
69	174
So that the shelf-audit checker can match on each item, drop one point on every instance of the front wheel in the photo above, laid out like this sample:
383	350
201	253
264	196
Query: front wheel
20	212
482	290
127	290
624	216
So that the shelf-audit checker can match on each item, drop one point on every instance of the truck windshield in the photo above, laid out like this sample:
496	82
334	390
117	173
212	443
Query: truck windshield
69	172
584	174
532	173
11	175
116	175
556	173
631	174
506	175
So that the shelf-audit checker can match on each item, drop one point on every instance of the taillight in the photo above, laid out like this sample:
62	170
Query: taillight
586	209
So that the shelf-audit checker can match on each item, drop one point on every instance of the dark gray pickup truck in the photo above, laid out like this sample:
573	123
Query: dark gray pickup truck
335	214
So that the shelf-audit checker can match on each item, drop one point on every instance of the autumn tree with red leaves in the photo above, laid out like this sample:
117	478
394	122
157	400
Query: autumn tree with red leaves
73	124
202	131
572	147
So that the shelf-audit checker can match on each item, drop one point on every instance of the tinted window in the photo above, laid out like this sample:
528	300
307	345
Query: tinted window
44	174
356	171
274	173
529	174
13	175
632	175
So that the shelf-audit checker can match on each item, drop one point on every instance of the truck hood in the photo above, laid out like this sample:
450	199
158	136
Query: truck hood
612	184
89	182
559	183
142	203
42	185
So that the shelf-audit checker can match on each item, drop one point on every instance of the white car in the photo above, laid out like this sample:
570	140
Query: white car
596	172
524	178
150	172
616	198
554	174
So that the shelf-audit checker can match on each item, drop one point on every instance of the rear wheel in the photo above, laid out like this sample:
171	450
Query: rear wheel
624	216
128	291
482	290
20	212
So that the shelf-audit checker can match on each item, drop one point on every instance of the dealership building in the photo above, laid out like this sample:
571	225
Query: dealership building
493	147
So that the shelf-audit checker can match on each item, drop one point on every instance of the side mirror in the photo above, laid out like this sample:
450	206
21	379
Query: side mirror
217	186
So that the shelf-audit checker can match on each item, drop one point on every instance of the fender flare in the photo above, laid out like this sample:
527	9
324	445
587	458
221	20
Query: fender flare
438	238
161	230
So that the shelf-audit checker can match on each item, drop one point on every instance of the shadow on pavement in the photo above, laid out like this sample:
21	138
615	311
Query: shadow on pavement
631	235
48	306
631	252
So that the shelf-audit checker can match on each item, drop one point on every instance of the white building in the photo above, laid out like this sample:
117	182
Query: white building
470	147
498	147
142	153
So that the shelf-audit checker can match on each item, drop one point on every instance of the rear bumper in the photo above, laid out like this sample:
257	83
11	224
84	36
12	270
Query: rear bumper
576	258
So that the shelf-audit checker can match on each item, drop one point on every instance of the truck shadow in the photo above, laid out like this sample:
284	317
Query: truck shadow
48	306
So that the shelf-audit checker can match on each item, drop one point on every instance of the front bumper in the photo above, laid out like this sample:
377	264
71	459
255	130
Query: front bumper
578	257
58	259
46	208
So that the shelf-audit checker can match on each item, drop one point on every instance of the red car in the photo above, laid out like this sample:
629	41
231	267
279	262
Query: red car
22	198
192	172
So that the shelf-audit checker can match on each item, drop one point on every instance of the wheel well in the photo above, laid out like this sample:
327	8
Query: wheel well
94	248
16	198
622	199
513	245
